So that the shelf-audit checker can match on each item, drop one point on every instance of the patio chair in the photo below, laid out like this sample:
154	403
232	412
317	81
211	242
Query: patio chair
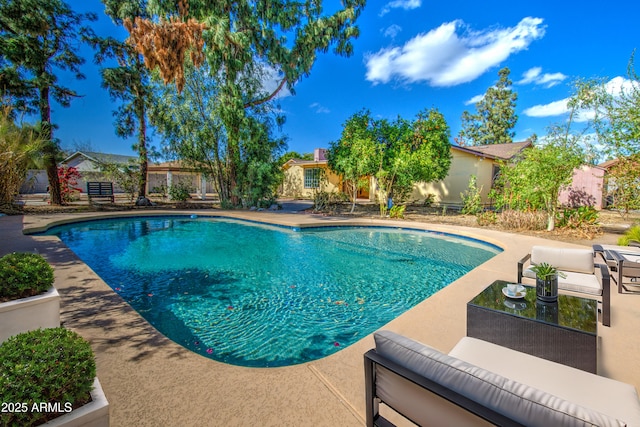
627	267
605	252
583	275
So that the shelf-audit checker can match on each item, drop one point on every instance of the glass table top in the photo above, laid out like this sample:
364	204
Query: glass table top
569	312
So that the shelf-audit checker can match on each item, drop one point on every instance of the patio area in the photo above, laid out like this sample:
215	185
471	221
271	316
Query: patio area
150	380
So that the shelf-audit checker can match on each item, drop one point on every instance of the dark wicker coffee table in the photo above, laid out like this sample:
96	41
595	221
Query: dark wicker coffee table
564	332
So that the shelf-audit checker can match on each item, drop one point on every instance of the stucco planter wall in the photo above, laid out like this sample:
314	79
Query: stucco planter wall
93	414
26	314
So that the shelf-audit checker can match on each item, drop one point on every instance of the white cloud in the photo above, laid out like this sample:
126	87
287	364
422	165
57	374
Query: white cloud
534	75
400	4
556	108
392	31
319	109
474	100
271	78
615	87
448	56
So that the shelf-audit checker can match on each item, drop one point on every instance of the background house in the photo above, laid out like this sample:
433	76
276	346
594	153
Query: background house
479	161
89	163
299	181
302	178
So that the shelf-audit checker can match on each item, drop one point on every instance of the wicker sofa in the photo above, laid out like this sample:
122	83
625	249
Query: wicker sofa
479	383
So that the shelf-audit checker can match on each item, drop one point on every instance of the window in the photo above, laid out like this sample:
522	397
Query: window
312	178
495	175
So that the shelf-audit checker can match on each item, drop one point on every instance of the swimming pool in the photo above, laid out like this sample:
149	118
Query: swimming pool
252	294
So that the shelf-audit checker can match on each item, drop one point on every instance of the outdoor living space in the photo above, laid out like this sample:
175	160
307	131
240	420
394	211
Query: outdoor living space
150	380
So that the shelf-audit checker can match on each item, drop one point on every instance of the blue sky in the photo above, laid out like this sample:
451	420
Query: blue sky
417	54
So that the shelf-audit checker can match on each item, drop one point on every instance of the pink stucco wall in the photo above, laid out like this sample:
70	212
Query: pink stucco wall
587	179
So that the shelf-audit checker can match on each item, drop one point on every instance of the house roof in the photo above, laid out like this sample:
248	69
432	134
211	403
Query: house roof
101	157
300	162
496	151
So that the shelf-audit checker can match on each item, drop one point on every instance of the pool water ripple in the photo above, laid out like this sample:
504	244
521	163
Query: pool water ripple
259	295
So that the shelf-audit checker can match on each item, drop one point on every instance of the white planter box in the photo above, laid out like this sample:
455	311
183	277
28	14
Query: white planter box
27	314
93	414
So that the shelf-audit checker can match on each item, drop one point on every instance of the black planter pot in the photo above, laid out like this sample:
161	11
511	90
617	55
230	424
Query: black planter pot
547	288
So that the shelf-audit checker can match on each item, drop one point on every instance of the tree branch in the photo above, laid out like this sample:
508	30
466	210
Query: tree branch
267	98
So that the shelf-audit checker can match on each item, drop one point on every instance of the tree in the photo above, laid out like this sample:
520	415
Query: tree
410	153
353	156
294	155
38	37
240	39
191	129
536	179
20	147
495	118
128	82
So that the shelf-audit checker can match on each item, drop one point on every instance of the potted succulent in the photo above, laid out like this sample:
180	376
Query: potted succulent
49	376
547	281
28	299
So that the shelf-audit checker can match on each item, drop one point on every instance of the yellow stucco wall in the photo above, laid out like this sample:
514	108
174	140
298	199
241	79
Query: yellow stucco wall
293	184
463	166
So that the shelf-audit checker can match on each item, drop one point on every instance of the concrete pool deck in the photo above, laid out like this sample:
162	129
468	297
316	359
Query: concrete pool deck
150	380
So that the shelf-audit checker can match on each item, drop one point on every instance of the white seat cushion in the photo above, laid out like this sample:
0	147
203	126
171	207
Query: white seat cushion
574	282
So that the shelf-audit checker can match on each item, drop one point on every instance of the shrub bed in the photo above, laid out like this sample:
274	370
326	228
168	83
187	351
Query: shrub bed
52	366
24	275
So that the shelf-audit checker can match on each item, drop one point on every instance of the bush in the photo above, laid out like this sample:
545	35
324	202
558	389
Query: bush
583	220
523	220
397	211
472	198
487	218
52	365
24	275
179	192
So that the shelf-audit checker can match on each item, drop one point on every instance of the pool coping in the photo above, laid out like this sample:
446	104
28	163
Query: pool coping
144	373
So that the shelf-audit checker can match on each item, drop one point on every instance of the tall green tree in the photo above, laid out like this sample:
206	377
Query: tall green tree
39	38
129	82
411	152
353	156
536	179
239	39
191	130
495	115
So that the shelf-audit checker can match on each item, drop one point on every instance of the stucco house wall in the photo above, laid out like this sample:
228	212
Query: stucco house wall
588	183
463	166
293	183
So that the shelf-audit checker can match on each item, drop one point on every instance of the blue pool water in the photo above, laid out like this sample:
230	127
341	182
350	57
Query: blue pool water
257	295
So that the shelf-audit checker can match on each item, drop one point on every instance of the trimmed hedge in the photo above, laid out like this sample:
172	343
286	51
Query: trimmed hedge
24	275
55	366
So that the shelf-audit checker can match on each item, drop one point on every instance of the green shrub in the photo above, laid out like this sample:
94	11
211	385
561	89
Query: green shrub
487	218
179	192
583	219
632	234
397	211
24	275
52	365
472	198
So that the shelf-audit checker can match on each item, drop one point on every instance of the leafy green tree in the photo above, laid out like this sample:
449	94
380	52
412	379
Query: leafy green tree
411	152
37	39
129	82
192	130
353	156
495	118
241	39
